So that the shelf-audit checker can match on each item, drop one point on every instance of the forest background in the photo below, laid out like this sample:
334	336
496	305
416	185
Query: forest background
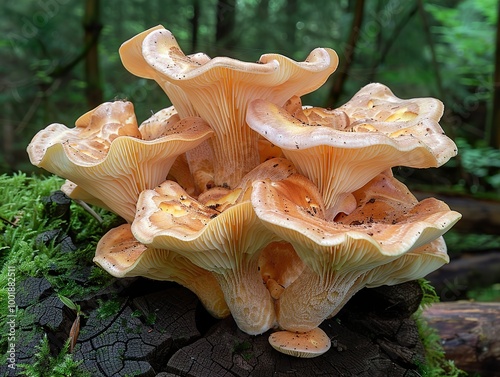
59	59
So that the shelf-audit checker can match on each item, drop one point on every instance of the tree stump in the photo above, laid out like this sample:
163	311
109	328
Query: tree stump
140	327
152	328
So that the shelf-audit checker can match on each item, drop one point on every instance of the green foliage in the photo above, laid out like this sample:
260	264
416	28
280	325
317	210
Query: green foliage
22	209
458	242
151	319
72	305
429	294
62	365
244	349
108	308
481	163
436	365
487	294
466	33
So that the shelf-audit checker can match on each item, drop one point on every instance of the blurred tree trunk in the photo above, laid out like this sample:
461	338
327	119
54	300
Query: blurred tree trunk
291	24
262	15
384	47
346	61
8	135
92	26
226	20
434	60
470	334
495	126
195	20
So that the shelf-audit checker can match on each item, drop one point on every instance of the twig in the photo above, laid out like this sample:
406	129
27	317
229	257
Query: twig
89	209
8	222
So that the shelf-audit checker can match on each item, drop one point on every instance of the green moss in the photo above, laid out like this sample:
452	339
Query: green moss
108	308
151	319
24	216
62	365
244	349
22	209
436	364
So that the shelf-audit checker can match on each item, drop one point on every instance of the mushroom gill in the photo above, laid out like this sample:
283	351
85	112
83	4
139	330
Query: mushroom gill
220	89
341	150
121	255
107	158
387	224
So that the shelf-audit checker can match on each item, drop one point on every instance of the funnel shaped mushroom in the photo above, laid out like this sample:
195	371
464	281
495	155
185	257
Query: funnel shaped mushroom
341	150
106	158
226	243
383	227
220	89
218	232
121	255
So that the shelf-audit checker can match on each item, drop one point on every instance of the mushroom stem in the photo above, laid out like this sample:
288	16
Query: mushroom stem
248	298
311	298
204	287
344	174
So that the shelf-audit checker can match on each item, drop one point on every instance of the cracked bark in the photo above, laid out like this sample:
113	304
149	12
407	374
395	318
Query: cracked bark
155	331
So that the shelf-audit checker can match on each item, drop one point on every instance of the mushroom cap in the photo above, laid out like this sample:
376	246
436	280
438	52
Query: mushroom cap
219	233
301	344
337	254
108	121
413	265
226	244
161	54
159	124
121	255
101	158
131	54
220	89
380	229
341	150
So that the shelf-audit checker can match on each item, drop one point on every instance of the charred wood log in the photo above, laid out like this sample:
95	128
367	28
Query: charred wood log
470	333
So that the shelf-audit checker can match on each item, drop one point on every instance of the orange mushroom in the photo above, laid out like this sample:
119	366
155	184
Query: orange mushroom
221	235
220	89
279	266
310	344
106	158
387	224
234	222
227	244
121	255
341	150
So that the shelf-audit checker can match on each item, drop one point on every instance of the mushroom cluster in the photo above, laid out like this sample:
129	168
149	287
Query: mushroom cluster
270	211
